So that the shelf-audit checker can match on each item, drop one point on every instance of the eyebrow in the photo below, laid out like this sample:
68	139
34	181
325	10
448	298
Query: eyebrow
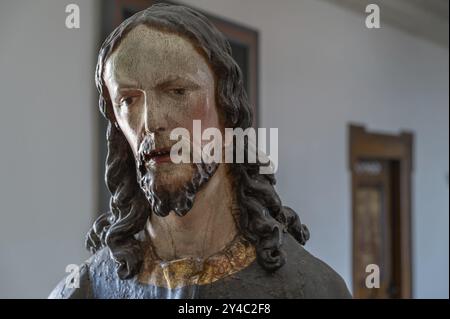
173	78
126	85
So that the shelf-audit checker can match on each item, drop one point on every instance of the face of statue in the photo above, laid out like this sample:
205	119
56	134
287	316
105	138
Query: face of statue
157	81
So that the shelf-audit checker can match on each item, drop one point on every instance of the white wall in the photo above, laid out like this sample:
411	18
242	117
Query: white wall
47	137
321	69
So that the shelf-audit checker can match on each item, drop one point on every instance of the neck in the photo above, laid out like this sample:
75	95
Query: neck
205	230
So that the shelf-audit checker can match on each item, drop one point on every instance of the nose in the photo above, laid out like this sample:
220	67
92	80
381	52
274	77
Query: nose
154	115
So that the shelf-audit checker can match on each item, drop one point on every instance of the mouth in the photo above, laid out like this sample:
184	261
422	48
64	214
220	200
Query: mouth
157	156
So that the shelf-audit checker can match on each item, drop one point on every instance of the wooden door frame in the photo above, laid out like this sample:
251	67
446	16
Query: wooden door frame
367	145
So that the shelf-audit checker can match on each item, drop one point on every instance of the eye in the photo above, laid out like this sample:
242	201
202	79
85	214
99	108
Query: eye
126	101
179	91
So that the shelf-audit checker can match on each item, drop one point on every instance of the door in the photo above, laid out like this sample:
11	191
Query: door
381	166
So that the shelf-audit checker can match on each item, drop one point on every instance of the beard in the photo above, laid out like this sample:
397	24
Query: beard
169	186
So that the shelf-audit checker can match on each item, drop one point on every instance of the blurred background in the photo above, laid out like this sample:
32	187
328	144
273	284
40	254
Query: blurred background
362	113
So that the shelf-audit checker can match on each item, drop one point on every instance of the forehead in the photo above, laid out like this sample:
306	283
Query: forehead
148	54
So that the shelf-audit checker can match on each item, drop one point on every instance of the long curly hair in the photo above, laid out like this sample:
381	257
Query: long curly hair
262	218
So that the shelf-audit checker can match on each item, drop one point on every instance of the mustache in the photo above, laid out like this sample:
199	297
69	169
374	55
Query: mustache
151	147
148	155
149	150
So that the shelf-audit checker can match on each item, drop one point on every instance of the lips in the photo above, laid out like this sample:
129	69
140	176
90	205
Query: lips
158	156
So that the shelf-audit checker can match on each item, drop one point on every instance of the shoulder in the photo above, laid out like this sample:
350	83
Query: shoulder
78	284
302	276
73	286
318	279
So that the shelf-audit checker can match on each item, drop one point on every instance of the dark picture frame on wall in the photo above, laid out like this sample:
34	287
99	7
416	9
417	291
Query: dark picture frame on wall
244	43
